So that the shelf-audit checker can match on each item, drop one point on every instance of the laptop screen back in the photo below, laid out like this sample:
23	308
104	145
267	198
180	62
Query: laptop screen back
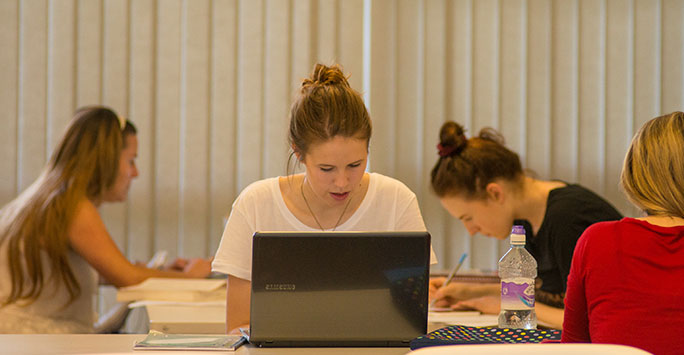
339	288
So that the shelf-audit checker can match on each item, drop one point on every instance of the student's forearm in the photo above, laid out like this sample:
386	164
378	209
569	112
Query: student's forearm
550	316
137	274
237	302
487	289
460	291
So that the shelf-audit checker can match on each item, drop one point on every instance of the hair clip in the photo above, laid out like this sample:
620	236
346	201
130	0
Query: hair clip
122	121
445	151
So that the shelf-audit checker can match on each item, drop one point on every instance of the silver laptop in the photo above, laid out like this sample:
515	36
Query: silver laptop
339	288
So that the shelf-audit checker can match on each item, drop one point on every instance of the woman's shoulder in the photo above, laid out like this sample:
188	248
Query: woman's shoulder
86	209
604	227
624	230
573	191
257	195
259	188
580	200
385	184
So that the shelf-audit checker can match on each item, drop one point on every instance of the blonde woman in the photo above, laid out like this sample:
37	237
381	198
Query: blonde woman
626	283
53	242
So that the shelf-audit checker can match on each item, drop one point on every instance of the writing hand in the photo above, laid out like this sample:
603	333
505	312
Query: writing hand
484	304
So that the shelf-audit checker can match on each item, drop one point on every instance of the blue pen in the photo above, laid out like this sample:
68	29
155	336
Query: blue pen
451	274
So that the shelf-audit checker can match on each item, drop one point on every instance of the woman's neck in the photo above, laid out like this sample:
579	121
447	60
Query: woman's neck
663	220
308	208
533	200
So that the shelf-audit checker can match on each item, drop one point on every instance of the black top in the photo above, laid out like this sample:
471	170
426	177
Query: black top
569	211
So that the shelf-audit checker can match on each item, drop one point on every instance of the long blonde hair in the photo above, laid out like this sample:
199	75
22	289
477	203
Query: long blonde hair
84	165
653	172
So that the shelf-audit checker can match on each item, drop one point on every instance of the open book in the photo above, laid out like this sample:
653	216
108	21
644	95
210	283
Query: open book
160	341
180	290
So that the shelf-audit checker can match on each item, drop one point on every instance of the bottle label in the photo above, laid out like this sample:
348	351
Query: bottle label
517	295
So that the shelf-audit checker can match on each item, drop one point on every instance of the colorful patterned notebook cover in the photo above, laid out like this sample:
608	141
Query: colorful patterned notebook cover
461	334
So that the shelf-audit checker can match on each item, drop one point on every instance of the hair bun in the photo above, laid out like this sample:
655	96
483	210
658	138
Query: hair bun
326	75
452	139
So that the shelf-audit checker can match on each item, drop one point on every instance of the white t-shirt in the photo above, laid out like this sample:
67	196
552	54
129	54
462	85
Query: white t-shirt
388	206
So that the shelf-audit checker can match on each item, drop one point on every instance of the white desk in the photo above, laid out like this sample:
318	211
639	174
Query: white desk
69	344
187	319
210	319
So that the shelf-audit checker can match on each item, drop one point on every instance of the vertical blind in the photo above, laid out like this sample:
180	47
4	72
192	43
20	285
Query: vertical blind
208	84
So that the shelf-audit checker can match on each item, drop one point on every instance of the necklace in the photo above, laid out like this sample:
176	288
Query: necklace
301	188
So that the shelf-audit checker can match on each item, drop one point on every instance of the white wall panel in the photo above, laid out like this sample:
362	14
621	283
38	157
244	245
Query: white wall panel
277	83
167	125
195	85
383	89
9	94
89	69
303	41
459	107
325	19
564	90
208	84
408	89
141	111
512	74
61	69
433	99
223	118
591	95
619	93
485	110
512	81
32	90
647	59
350	40
538	122
672	74
114	94
250	140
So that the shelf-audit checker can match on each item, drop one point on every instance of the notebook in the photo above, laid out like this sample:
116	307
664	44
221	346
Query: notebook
189	342
339	288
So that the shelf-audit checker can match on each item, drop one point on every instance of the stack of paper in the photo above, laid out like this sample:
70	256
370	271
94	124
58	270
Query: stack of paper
180	290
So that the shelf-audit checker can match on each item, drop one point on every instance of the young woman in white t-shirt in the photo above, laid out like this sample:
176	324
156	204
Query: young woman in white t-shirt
329	133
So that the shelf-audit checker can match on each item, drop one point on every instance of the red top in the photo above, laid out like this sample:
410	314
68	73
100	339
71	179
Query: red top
626	286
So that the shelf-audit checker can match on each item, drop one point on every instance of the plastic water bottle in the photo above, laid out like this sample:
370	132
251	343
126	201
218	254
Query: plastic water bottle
517	270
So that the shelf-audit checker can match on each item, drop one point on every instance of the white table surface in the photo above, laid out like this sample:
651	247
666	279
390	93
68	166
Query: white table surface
210	319
34	344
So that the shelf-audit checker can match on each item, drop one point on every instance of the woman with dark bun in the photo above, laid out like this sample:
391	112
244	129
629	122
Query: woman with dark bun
482	183
329	134
626	284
